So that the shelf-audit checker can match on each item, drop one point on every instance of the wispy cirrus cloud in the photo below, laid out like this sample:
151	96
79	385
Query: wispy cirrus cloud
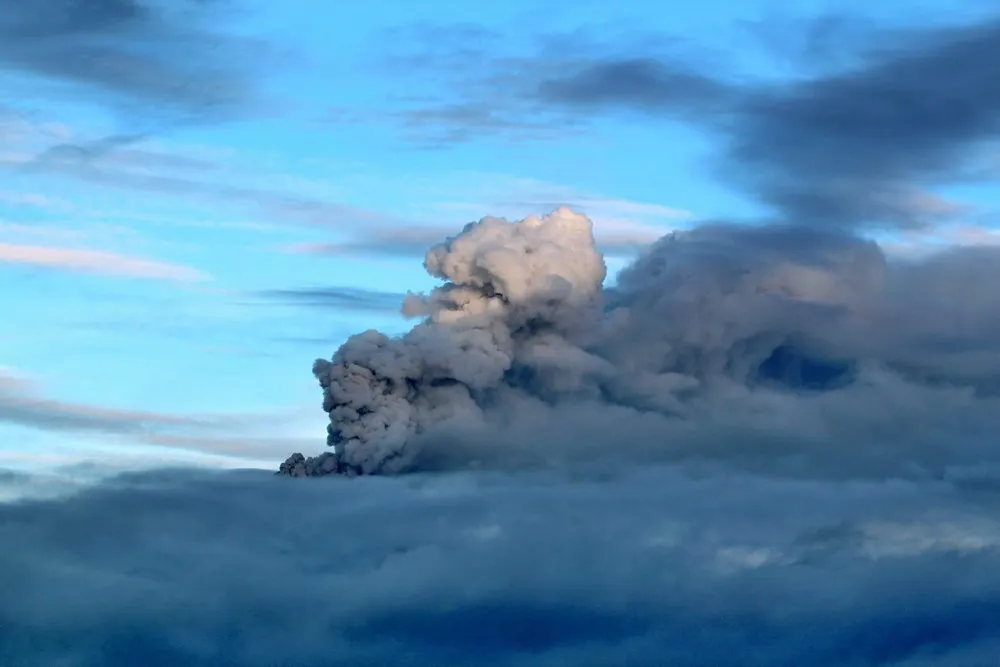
97	262
31	199
140	164
21	403
380	242
621	227
413	242
234	436
341	298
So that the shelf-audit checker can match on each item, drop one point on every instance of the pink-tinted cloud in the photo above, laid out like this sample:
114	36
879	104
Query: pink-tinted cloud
97	262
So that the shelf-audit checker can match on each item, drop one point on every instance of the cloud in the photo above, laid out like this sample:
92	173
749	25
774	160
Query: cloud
135	163
860	141
641	82
18	485
252	438
412	242
340	298
85	151
404	241
454	101
169	60
601	209
622	228
868	140
21	404
31	199
652	567
96	262
923	242
452	123
814	43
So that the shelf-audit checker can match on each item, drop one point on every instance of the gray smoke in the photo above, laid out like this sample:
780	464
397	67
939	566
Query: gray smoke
777	340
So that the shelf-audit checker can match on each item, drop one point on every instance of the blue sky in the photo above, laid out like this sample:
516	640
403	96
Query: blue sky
155	273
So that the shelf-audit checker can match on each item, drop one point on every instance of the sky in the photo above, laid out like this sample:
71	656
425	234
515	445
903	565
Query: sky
152	245
196	204
642	334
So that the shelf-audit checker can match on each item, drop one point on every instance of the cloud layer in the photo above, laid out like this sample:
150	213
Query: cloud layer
653	567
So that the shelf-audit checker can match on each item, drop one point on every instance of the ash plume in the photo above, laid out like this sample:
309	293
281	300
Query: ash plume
794	344
509	288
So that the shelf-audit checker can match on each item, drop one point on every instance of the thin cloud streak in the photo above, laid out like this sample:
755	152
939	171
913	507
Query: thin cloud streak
408	244
340	298
170	175
234	436
97	262
623	229
21	404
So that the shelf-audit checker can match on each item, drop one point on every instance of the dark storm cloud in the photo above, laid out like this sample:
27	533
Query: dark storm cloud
858	146
646	568
871	120
136	54
853	146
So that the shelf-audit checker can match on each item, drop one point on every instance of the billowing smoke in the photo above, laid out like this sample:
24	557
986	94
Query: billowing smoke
511	291
772	337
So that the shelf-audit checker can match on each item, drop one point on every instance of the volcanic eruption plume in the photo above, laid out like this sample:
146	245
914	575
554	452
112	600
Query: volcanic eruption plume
523	357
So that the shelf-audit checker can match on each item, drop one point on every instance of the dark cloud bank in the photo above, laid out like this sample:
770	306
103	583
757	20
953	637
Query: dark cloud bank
852	147
850	141
170	60
765	445
648	567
